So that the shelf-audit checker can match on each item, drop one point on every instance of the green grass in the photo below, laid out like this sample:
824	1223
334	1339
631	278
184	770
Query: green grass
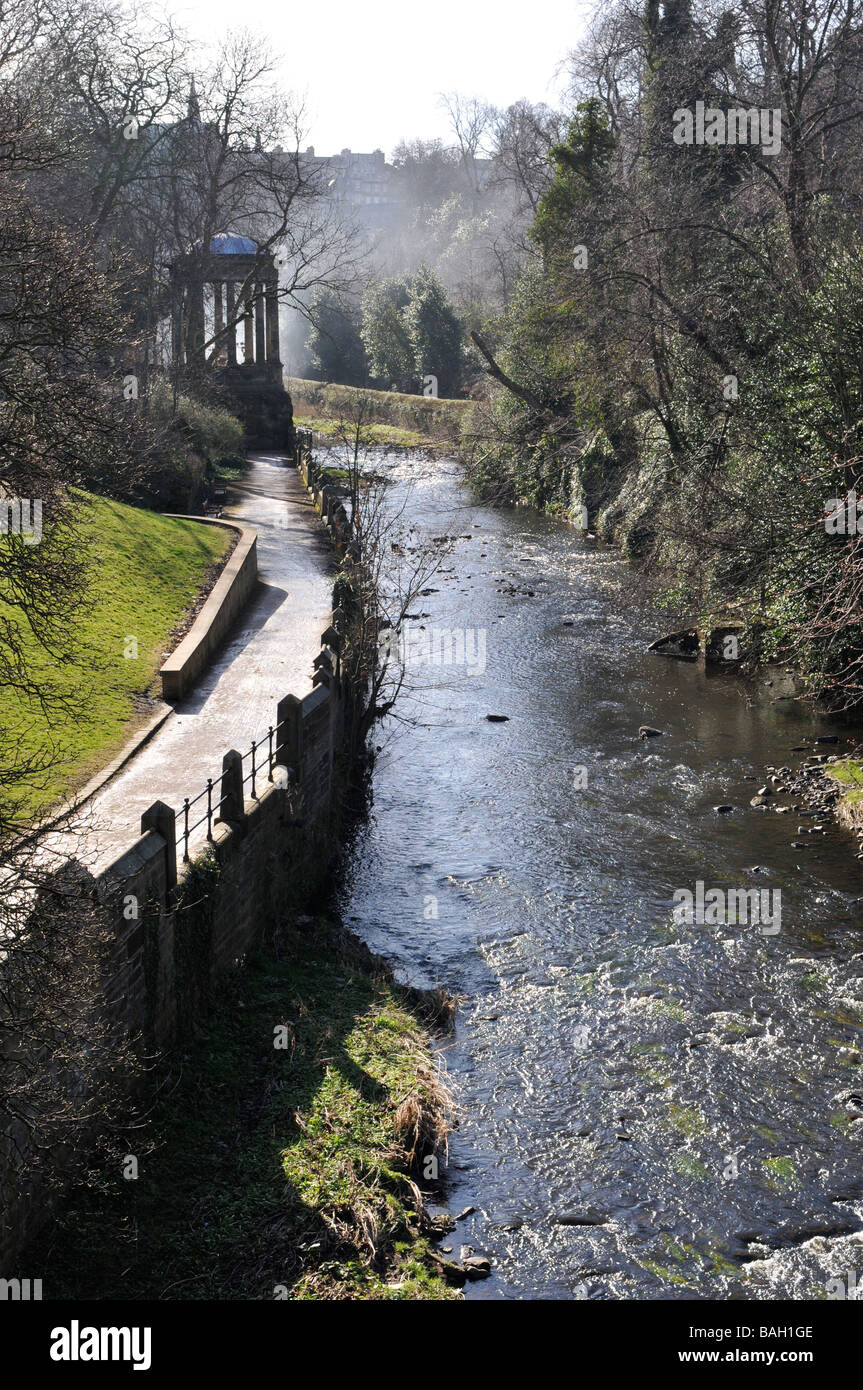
409	419
335	477
849	772
145	571
273	1172
376	434
849	808
229	469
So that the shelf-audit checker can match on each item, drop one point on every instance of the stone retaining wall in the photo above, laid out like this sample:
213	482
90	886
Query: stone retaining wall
225	601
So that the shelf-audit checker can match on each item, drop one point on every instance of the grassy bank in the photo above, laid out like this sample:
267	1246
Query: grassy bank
396	418
848	772
387	436
270	1171
145	571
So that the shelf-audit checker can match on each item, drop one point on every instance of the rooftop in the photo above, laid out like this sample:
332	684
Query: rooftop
230	244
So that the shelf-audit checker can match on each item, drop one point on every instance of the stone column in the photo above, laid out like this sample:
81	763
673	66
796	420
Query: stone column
232	335
272	297
260	331
324	669
249	330
195	341
218	321
231	806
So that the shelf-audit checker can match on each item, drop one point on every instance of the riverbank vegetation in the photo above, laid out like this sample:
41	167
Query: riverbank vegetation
402	329
681	351
848	772
658	289
286	1155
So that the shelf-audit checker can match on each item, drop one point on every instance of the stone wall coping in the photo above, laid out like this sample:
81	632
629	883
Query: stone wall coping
147	847
188	660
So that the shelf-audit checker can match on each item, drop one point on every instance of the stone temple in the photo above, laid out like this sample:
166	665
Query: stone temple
225	324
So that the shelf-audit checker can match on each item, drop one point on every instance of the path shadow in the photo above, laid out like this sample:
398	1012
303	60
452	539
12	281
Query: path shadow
268	599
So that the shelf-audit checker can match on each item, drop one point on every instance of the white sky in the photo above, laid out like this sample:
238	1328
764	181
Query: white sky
371	72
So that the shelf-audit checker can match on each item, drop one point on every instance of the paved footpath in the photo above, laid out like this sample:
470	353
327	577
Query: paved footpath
269	655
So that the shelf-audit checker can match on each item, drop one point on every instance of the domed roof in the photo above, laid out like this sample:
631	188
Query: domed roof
231	244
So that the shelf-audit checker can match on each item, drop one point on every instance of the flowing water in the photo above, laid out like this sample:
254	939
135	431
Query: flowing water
688	1089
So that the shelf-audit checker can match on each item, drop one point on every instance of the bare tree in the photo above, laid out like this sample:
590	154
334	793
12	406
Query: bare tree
471	121
524	135
385	568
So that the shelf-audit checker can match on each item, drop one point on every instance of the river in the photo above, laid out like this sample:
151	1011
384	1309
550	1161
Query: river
687	1090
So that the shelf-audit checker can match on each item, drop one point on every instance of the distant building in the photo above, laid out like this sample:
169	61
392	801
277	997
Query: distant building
363	182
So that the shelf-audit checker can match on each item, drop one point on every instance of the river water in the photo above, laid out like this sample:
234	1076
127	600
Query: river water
689	1089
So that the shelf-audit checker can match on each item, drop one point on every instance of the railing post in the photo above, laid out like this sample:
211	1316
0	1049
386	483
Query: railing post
331	639
289	740
162	819
231	804
324	672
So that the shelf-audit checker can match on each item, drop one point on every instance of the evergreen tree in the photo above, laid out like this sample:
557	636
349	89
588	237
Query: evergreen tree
335	341
434	332
385	336
411	331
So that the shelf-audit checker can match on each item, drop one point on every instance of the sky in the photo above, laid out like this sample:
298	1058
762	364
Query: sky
372	73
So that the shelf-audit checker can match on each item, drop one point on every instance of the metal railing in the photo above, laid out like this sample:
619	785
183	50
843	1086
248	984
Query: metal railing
211	813
271	756
188	803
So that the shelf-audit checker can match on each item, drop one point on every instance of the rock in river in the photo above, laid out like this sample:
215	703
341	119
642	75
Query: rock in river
587	1217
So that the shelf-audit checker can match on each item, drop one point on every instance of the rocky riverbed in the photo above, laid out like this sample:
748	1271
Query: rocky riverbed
806	790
